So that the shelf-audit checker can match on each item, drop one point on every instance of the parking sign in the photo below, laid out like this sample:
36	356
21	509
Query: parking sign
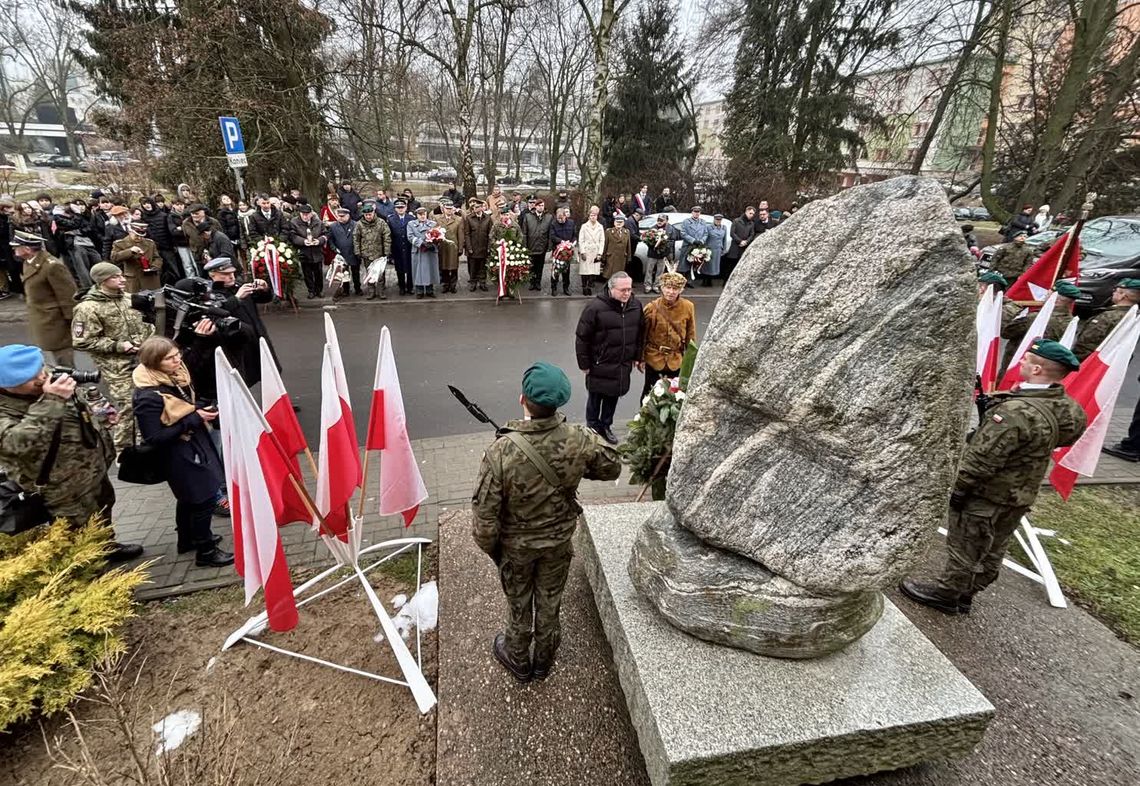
232	141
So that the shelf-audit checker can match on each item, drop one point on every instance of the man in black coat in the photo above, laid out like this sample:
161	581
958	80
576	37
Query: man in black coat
608	344
266	221
349	200
743	231
242	301
158	230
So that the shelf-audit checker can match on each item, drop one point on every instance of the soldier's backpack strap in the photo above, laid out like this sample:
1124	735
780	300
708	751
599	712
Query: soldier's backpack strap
536	458
50	456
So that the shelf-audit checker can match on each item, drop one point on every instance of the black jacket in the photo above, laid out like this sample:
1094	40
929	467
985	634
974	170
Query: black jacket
246	355
744	231
1019	223
193	468
607	342
157	228
261	227
350	201
174	229
228	218
536	231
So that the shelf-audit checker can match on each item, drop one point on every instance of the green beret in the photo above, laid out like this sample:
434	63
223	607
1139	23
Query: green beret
1067	289
993	277
1055	351
546	384
1128	283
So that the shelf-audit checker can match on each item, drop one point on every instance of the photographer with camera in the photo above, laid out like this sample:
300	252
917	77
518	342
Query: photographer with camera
241	302
106	326
201	323
50	443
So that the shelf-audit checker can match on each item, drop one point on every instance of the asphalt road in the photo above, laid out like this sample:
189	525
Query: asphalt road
480	348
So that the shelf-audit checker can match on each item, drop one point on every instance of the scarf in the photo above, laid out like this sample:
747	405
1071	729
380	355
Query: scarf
173	407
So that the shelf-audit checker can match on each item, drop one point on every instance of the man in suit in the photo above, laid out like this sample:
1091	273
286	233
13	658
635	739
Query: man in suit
641	201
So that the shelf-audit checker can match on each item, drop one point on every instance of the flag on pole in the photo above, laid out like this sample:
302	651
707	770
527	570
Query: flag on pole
402	487
338	468
253	466
1037	282
1036	330
1070	334
988	324
278	410
1095	387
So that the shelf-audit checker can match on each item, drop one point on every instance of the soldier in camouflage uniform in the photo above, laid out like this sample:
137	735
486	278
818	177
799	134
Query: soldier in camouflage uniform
106	327
1000	474
1096	330
32	406
1015	329
1012	259
525	521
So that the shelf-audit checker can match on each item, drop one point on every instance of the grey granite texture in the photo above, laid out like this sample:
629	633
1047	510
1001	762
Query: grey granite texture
707	714
828	405
728	599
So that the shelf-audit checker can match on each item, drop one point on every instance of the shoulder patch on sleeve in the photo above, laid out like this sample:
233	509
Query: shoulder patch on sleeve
997	418
77	329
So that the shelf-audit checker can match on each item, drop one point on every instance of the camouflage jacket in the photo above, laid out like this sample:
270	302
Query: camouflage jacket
85	452
1095	330
1011	260
1006	460
101	322
514	506
1015	329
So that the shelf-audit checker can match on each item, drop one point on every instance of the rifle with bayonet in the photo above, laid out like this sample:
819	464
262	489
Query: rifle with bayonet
474	408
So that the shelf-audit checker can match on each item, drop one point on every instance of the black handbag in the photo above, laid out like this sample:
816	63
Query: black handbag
21	510
141	465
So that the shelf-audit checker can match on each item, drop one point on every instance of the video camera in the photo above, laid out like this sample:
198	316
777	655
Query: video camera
194	299
80	377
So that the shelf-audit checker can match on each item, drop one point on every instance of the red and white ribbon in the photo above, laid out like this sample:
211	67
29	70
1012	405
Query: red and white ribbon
502	268
273	268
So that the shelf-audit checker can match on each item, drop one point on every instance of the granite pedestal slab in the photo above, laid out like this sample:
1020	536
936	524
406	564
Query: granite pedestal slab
709	714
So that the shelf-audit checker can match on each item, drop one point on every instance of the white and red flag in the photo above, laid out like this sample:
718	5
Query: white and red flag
402	487
1036	330
338	469
1095	387
278	410
1037	282
254	464
988	324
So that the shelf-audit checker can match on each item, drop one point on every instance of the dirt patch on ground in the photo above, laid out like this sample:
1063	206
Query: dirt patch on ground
288	722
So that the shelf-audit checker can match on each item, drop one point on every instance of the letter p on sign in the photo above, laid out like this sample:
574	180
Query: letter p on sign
231	135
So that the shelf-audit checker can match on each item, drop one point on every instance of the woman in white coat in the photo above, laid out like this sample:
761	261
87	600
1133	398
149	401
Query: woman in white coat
1043	219
591	246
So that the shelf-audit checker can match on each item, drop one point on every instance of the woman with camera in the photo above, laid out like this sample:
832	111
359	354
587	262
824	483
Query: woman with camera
173	421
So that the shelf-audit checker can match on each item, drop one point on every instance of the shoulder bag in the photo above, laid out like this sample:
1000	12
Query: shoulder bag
21	510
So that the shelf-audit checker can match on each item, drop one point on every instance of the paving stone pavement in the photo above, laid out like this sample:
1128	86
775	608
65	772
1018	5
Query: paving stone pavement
145	514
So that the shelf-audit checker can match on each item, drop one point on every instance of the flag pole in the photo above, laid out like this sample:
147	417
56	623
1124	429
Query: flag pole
1074	233
364	475
297	485
312	461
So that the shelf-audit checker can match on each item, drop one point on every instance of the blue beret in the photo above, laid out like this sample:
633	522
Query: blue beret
546	384
18	364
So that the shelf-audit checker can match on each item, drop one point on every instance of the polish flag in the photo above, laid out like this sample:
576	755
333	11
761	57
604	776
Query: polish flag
254	465
278	410
1095	387
1037	282
338	471
1070	334
1035	331
988	324
402	487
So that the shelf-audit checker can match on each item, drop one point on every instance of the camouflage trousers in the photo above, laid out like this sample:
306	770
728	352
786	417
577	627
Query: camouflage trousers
533	582
120	388
976	541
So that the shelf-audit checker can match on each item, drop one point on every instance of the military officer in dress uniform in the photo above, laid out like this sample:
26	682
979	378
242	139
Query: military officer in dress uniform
525	510
617	250
1000	474
137	256
1096	329
49	291
451	224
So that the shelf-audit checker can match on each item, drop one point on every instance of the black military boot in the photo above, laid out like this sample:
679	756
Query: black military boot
965	602
185	544
565	287
123	552
210	556
540	671
499	649
553	287
930	594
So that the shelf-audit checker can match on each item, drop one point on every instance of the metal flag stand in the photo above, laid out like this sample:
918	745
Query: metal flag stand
1042	571
412	668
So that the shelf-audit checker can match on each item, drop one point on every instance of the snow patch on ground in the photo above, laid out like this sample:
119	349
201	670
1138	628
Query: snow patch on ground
175	729
421	611
399	600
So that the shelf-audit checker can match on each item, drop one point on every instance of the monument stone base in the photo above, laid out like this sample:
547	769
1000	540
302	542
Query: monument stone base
709	714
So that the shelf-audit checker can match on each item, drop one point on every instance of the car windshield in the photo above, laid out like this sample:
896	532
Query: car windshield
1114	238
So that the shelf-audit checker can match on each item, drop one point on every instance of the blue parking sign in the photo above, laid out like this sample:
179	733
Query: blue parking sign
231	135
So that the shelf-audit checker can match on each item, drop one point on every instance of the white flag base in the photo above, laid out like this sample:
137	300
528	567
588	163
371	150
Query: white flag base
1042	571
412	668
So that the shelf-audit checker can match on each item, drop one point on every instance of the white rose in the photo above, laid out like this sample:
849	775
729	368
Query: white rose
680	395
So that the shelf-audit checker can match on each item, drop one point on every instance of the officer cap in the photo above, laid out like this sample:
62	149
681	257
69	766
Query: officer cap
1067	289
399	203
220	265
304	208
1055	351
20	363
1128	283
101	271
22	238
475	202
368	207
1021	233
342	211
673	280
719	216
993	277
446	203
697	208
546	384
141	226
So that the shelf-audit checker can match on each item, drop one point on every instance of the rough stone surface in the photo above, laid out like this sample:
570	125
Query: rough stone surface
828	404
728	599
708	714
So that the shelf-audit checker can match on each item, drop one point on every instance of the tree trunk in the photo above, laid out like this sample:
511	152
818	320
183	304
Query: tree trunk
593	165
981	24
466	132
993	115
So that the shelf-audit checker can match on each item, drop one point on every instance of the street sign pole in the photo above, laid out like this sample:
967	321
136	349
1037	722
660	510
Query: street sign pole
235	150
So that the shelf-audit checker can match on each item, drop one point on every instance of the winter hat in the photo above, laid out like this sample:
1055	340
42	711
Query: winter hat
102	271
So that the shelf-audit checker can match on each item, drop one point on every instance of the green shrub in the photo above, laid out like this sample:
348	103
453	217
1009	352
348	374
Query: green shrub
61	614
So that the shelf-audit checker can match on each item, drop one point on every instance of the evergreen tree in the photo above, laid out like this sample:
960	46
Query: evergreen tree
650	131
793	109
174	67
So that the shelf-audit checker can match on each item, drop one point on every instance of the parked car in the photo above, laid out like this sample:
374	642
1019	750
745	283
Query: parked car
1109	231
41	159
508	180
538	181
642	250
1111	253
980	214
60	162
963	213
